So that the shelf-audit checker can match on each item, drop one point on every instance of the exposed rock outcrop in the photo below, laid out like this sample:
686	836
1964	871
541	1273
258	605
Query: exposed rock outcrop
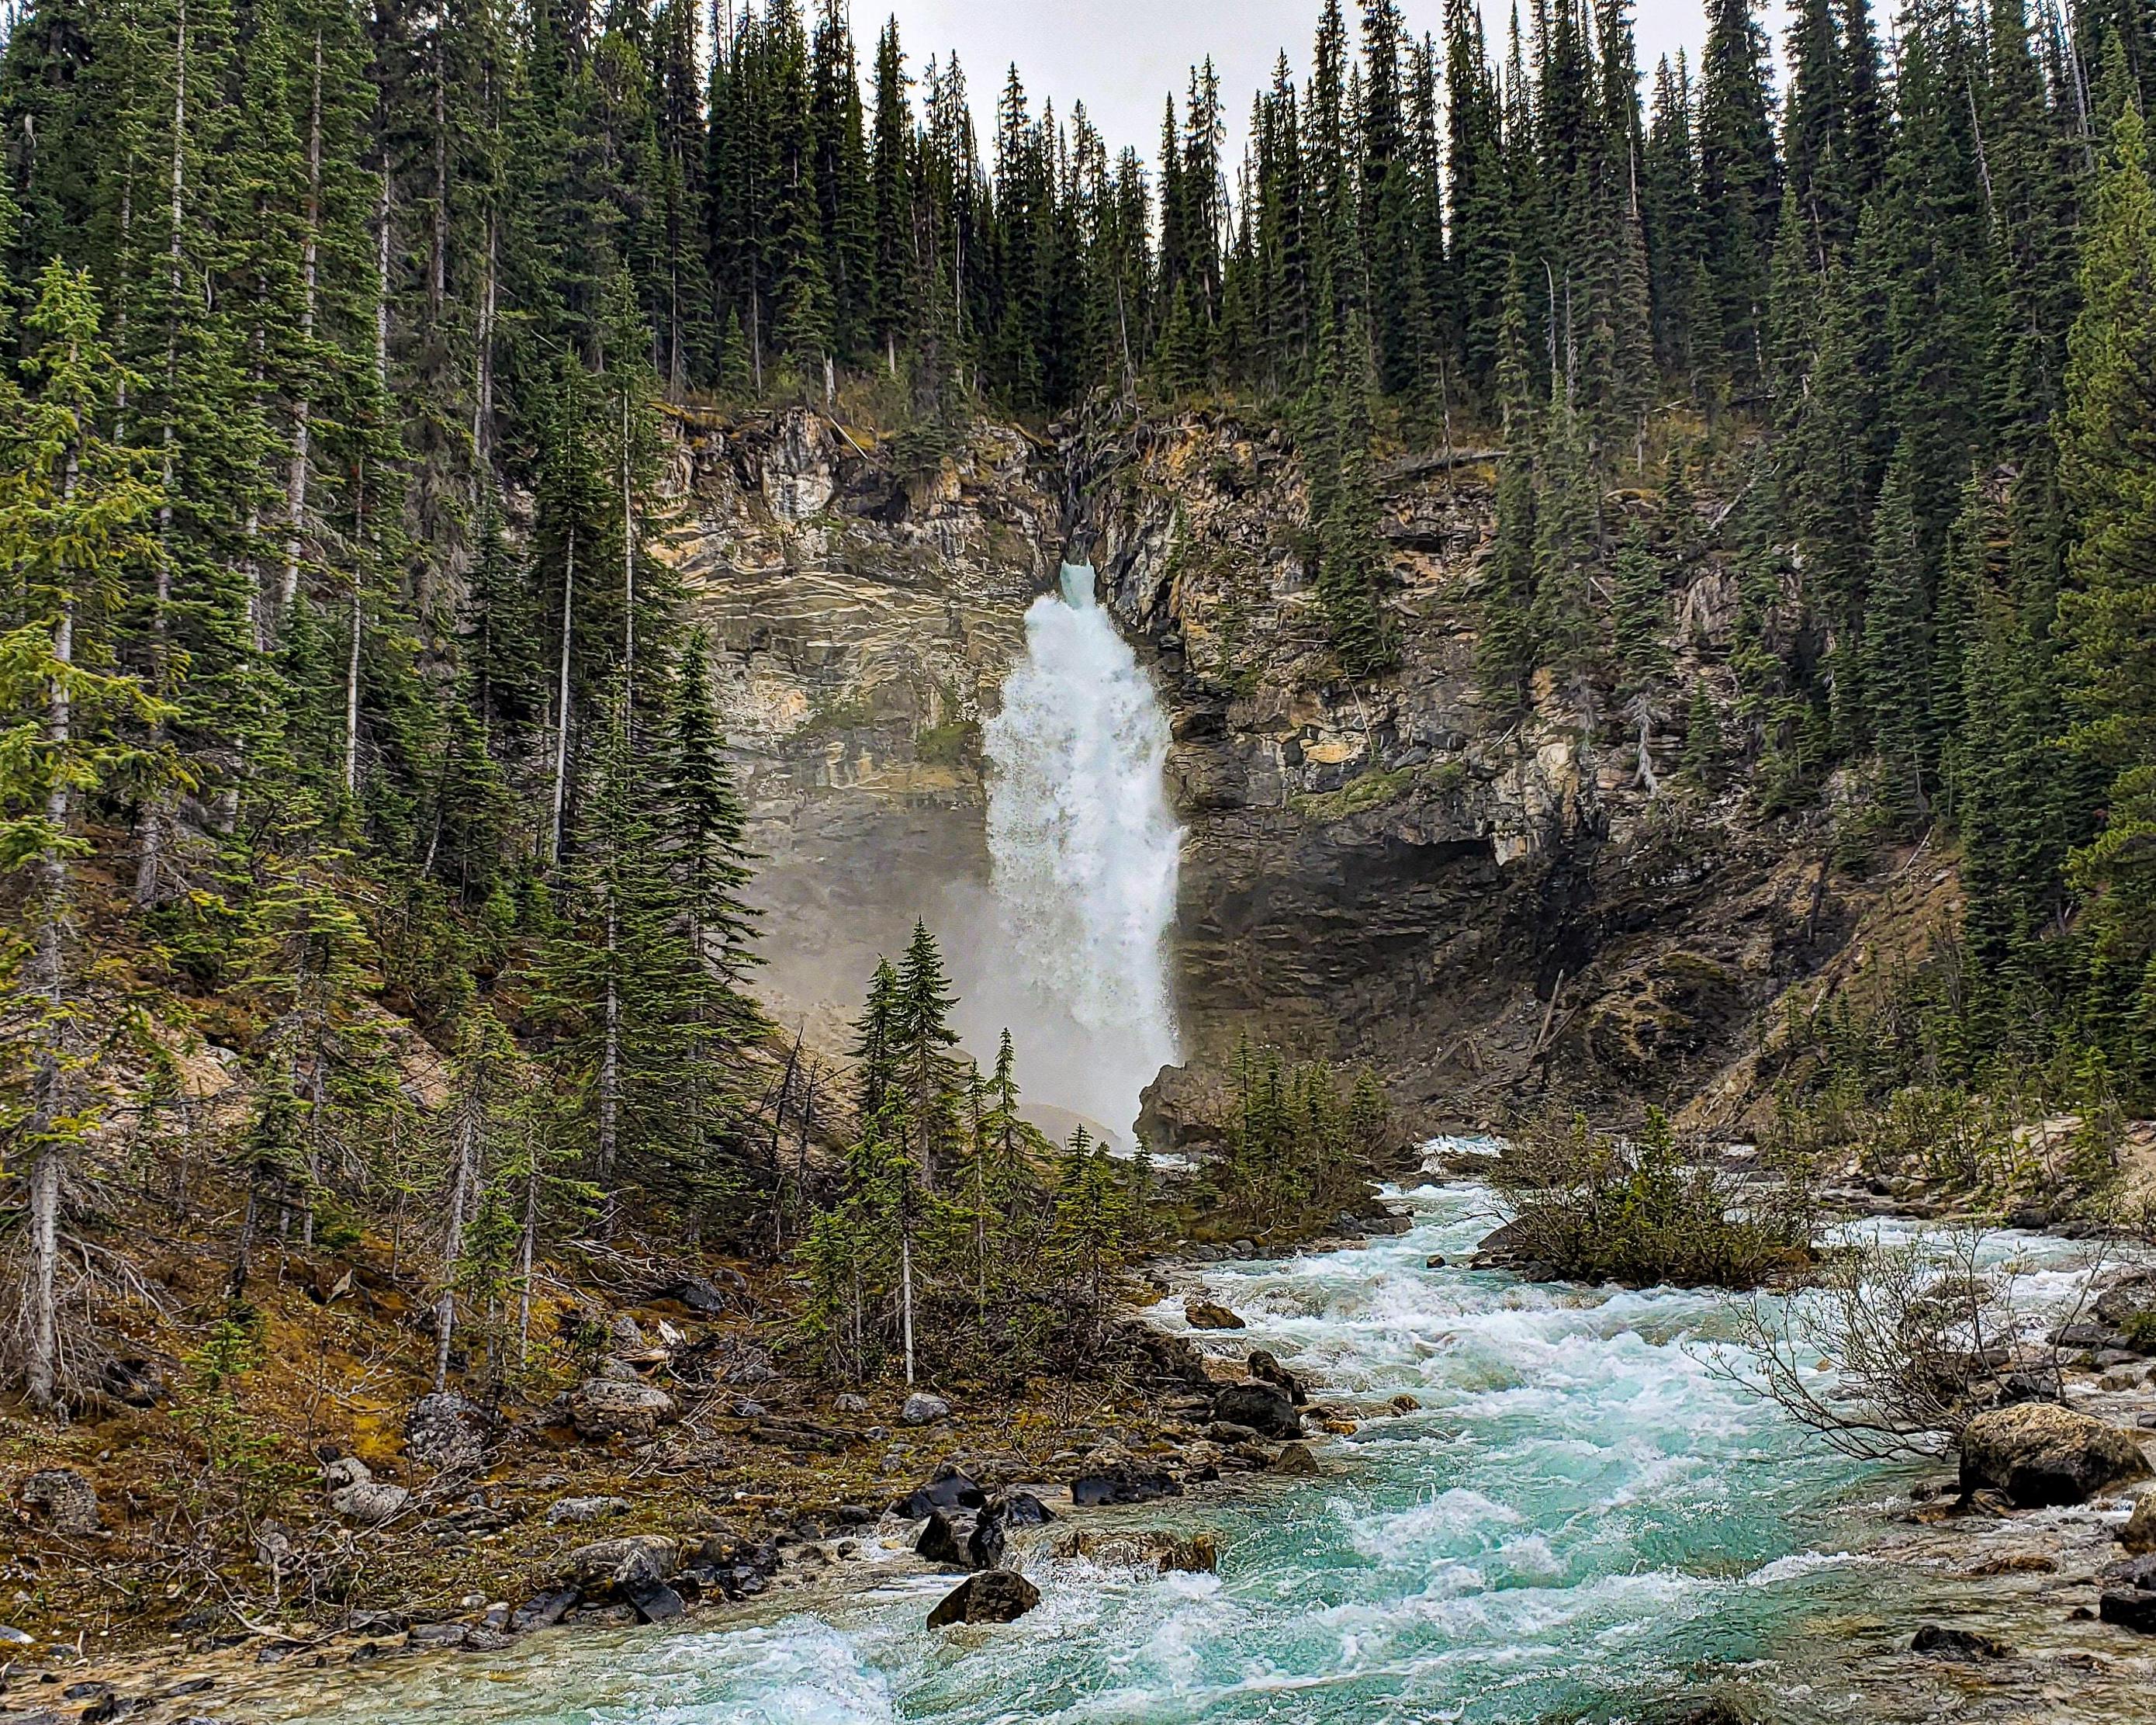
865	611
2039	1453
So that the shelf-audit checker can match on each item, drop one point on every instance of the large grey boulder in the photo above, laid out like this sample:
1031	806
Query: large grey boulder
924	1409
2039	1453
445	1432
603	1409
370	1503
633	1561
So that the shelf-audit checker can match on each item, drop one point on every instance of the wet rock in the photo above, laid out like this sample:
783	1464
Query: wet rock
577	1510
437	1637
1434	1261
1114	1475
627	1563
1264	1408
543	1610
2135	1611
1296	1462
970	1539
1266	1370
2039	1454
2041	1385
655	1601
603	1409
1403	1403
2131	1295
948	1489
369	1504
1022	1509
1389	1224
1202	1314
992	1596
1140	1548
445	1432
924	1410
2087	1338
1940	1642
63	1500
2137	1573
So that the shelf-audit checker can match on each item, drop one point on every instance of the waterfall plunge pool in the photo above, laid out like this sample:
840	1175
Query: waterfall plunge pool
1582	1515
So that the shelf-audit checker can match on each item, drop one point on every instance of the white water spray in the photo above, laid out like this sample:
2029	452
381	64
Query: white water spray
1083	851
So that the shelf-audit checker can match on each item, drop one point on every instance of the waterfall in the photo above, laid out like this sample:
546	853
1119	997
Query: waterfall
1083	852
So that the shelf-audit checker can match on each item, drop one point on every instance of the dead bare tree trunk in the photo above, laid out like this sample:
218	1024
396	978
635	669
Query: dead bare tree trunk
452	1238
561	705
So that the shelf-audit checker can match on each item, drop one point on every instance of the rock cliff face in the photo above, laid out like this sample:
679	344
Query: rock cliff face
865	613
1484	905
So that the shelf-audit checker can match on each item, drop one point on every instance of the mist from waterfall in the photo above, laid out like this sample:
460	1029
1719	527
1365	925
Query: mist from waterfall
1083	851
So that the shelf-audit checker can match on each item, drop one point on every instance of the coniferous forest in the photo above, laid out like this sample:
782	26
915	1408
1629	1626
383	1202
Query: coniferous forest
344	699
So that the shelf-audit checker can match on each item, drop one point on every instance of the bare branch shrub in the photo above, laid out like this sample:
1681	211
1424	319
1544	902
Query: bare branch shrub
1898	1346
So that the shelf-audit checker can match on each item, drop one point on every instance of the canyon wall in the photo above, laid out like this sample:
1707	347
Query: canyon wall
1486	905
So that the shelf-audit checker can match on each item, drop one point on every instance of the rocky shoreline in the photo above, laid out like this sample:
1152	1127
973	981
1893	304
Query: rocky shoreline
2043	1579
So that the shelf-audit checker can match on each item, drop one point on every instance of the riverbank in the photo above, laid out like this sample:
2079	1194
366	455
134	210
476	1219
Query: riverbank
1581	1502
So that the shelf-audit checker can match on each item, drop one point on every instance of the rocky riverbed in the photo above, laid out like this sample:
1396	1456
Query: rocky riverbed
1500	1501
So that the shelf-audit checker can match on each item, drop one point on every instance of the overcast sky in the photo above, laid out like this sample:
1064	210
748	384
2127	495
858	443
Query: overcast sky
1122	57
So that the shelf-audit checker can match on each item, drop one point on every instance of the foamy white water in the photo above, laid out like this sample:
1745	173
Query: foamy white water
1083	850
1583	1516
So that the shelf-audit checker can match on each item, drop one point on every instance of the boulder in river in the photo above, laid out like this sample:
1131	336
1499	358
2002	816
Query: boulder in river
1264	1408
970	1539
2138	1535
1139	1549
1022	1509
2136	1611
1266	1370
1940	1642
2040	1454
992	1596
1204	1314
1120	1479
603	1408
1295	1461
948	1489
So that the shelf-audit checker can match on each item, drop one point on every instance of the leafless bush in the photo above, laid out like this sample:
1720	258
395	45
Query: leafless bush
1898	1346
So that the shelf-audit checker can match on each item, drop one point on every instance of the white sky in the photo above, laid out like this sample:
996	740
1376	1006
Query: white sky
1122	57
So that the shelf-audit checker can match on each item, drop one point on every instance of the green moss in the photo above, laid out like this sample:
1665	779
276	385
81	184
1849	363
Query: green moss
1372	790
957	744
